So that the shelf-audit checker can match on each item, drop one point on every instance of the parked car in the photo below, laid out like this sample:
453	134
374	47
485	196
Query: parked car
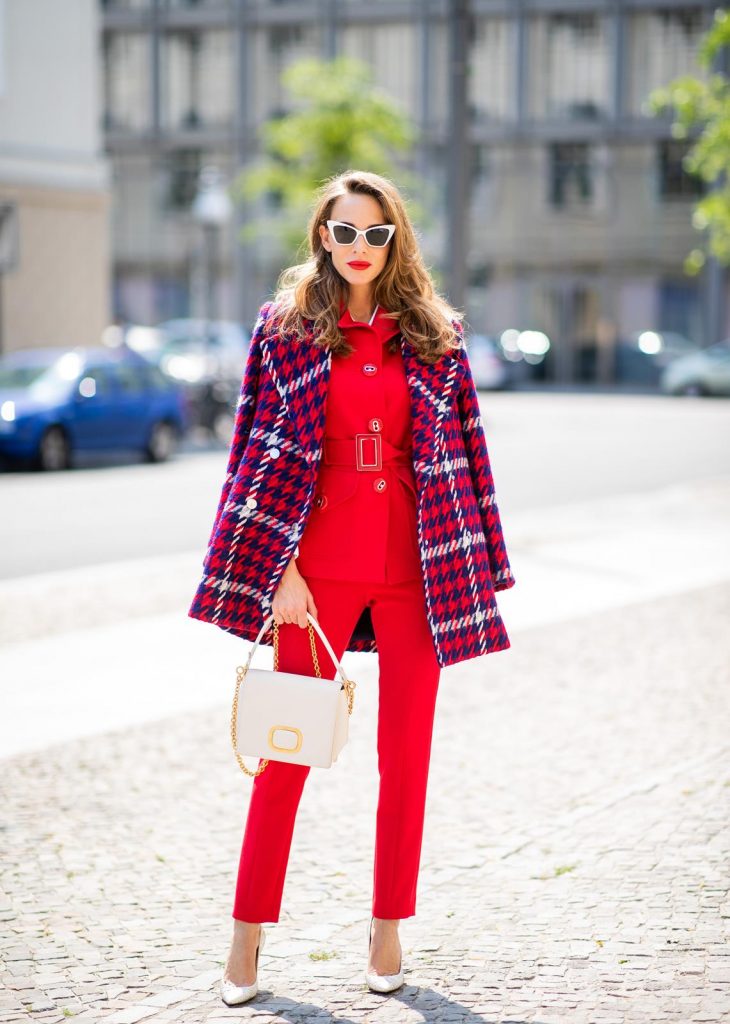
215	348
208	360
706	372
638	359
644	355
54	403
488	366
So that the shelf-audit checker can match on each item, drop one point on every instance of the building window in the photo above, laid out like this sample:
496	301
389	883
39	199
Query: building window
273	48
197	79
436	83
114	5
126	70
481	163
181	175
193	4
570	66
674	181
392	54
491	97
662	46
571	176
480	276
680	308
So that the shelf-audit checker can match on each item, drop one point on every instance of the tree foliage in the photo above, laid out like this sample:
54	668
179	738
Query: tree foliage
702	113
339	119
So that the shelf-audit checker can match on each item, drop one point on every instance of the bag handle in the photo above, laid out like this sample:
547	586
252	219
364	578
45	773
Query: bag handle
325	641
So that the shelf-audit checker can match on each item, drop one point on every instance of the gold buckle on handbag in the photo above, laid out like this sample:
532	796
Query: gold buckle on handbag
360	462
296	733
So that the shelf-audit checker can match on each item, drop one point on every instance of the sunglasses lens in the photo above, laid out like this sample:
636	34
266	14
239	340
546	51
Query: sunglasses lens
344	235
377	236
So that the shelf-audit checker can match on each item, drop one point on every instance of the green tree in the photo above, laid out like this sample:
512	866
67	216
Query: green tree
702	112
340	119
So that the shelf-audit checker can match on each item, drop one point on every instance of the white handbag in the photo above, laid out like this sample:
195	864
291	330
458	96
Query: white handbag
284	716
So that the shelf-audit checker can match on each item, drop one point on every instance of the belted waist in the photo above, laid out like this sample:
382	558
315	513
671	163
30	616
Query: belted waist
365	452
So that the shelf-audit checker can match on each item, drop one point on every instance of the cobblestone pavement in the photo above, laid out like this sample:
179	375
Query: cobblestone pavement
574	865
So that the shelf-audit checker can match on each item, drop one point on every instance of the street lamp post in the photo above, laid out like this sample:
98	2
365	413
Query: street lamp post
212	209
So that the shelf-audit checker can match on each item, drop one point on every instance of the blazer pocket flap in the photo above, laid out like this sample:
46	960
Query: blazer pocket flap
334	487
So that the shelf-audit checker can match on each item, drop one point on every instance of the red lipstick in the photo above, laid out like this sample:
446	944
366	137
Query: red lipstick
358	264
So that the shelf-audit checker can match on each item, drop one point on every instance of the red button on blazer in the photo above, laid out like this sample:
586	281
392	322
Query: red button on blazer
363	522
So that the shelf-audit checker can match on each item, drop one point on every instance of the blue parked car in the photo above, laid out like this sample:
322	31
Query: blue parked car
55	402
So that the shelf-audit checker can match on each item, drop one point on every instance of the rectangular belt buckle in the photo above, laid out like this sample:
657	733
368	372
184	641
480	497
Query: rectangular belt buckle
360	440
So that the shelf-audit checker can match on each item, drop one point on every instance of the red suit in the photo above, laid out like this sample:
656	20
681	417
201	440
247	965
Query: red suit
359	550
363	526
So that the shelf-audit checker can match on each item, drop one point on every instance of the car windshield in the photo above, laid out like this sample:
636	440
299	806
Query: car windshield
41	380
20	376
721	350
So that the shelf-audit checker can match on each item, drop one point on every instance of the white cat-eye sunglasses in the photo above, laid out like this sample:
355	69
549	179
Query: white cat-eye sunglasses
345	234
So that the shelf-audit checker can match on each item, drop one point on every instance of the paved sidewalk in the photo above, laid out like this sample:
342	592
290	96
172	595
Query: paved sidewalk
58	629
574	869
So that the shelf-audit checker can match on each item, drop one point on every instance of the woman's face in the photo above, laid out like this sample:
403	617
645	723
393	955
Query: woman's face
361	211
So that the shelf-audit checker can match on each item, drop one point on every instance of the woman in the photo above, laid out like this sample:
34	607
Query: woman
358	489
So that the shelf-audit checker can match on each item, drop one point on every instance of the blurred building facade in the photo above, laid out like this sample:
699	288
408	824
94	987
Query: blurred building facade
579	213
54	177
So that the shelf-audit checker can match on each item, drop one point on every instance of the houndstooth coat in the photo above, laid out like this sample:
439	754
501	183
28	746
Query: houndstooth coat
267	495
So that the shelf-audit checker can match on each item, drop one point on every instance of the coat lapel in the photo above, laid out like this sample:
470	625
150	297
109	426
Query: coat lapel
301	371
433	388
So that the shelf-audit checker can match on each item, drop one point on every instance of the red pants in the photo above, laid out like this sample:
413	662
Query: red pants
408	684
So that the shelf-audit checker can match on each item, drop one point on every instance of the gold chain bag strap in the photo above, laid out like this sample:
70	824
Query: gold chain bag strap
285	716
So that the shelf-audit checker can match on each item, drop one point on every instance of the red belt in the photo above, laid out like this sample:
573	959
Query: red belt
366	452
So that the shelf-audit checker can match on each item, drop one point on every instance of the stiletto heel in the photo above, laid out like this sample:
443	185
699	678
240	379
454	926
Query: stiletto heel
233	995
382	982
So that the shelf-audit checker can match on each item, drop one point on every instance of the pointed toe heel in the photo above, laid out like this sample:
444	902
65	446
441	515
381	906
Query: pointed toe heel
234	995
382	982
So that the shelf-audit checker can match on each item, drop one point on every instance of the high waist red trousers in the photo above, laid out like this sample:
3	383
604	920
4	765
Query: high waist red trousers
408	684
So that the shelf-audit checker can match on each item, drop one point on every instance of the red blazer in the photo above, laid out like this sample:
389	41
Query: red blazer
363	526
268	493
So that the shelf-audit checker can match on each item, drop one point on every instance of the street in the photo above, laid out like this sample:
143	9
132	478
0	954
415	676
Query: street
575	857
546	449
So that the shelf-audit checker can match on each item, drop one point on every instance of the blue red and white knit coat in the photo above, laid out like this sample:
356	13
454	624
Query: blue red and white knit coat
267	494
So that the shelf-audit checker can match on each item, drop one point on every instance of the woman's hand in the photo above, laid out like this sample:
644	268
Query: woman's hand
293	598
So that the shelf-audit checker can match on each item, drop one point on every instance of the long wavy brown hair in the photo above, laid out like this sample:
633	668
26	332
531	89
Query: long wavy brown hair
314	290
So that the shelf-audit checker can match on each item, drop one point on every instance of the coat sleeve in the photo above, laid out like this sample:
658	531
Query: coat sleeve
245	410
475	443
